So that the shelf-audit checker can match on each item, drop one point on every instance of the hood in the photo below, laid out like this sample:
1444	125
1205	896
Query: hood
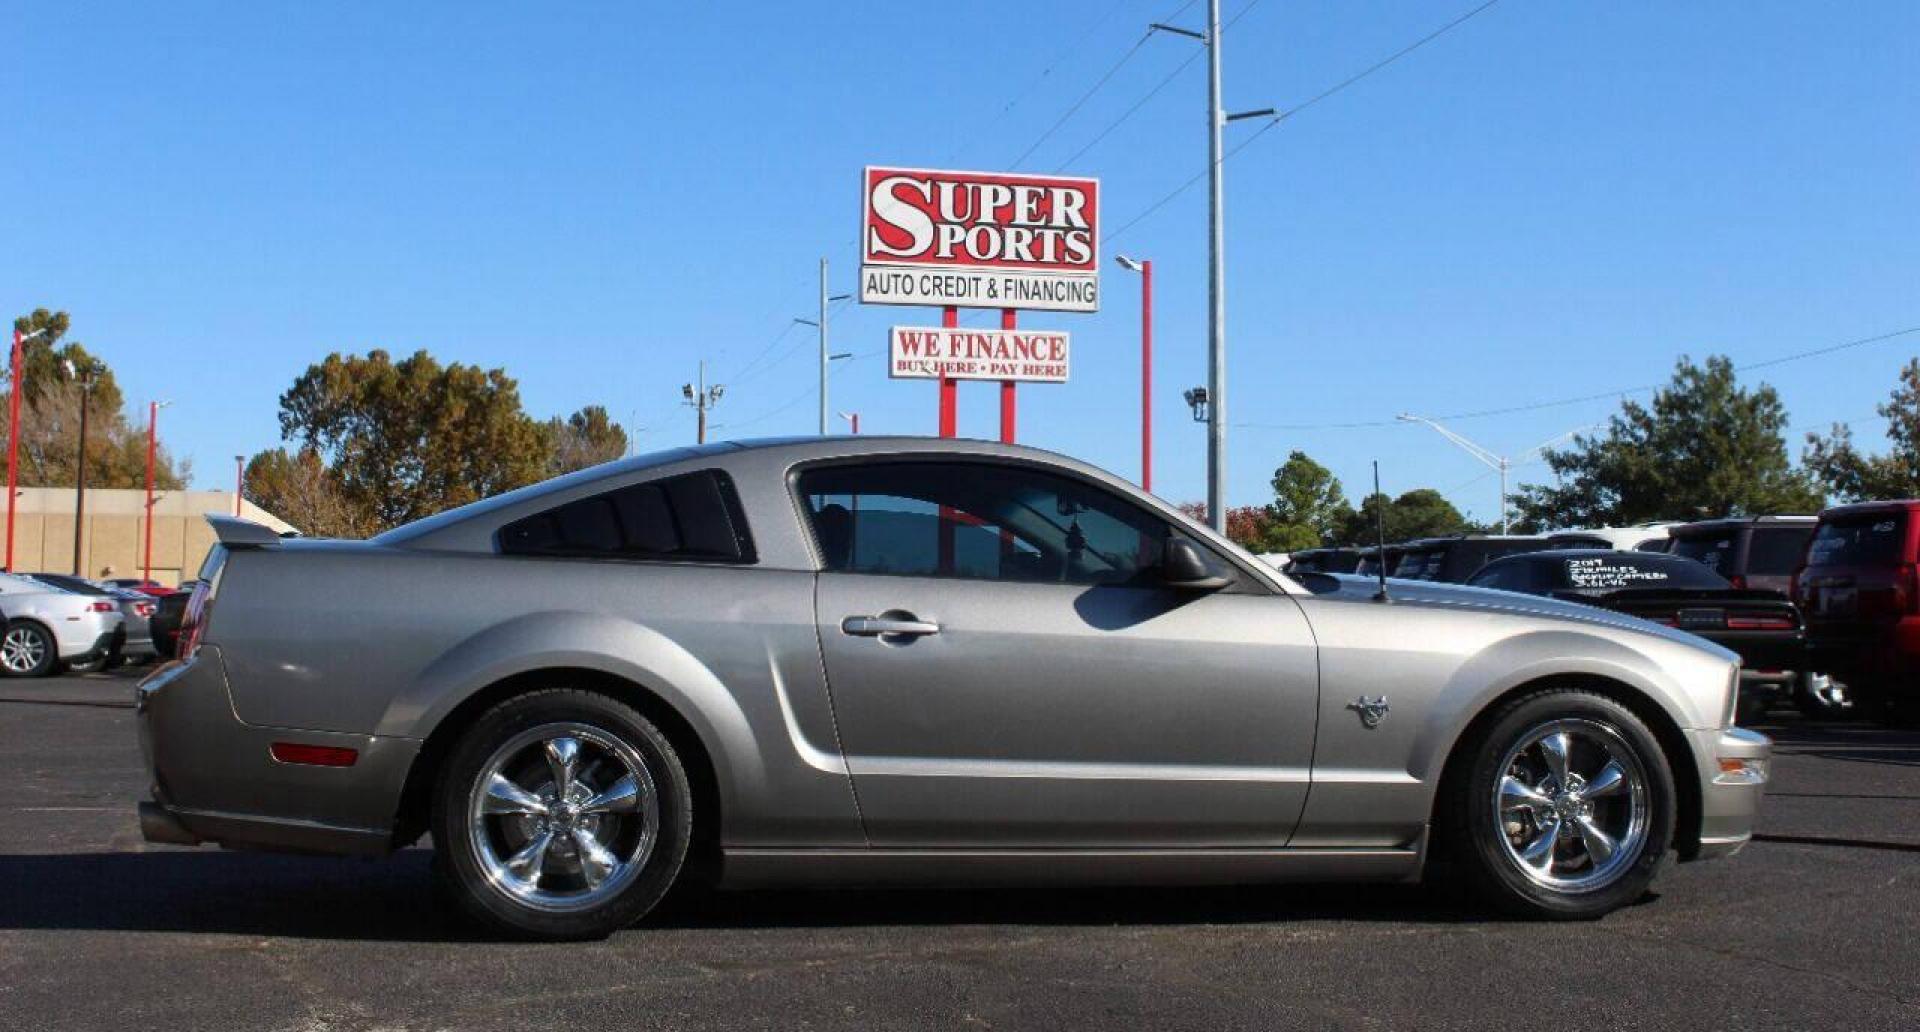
1459	596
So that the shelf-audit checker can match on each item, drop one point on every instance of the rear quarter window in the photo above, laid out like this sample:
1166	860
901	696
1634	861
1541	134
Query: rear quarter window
695	517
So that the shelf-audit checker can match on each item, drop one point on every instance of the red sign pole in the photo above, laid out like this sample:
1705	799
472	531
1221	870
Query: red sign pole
949	387
13	443
1008	318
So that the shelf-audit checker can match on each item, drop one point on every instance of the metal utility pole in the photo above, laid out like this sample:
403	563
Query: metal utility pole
239	481
820	324
1144	266
1216	286
702	398
1217	120
1504	464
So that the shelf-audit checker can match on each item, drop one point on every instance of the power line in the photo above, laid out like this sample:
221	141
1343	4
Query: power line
1155	91
1621	392
1297	108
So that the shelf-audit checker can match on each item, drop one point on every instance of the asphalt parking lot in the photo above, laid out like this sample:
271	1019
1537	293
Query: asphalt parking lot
1813	925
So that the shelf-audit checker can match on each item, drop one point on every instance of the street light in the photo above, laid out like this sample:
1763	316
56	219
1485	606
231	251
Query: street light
239	480
1144	266
13	434
153	438
1503	464
853	418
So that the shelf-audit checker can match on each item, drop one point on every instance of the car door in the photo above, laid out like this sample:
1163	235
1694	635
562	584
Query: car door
1007	669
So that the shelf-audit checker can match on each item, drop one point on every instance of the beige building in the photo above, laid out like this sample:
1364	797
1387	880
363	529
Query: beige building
114	537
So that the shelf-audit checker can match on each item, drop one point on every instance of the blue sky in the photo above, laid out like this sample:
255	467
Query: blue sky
1555	199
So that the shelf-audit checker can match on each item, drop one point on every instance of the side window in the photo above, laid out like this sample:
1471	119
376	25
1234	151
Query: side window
695	517
977	520
1504	576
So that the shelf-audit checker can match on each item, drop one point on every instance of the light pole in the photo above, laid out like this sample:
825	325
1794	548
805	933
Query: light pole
852	418
821	325
702	398
1217	119
1144	266
83	375
239	480
13	434
1504	464
153	438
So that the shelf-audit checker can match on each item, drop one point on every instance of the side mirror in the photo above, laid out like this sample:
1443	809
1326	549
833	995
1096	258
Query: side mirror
1182	566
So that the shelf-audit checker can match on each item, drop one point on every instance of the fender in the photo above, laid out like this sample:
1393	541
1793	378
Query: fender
1526	658
594	641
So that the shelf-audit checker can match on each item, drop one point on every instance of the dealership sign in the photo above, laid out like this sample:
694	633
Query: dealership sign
980	240
954	353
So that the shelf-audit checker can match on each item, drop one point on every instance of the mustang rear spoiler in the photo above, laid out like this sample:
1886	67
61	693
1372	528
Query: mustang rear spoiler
235	532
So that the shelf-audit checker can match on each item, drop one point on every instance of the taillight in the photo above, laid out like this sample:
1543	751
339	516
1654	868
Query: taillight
194	621
1760	623
102	607
145	608
1738	581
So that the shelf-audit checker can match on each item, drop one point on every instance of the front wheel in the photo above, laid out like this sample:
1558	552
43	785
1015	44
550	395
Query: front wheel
1562	806
561	814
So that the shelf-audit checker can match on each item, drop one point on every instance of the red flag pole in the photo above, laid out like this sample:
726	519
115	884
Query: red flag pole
949	387
1008	321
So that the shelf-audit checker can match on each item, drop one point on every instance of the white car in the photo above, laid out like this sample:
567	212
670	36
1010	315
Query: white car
1644	537
48	629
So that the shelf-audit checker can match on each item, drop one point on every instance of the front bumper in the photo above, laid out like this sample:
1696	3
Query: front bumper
214	779
1735	765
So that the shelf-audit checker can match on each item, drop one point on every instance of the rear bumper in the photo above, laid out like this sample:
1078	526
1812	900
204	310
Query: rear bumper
85	640
1888	653
215	781
1735	765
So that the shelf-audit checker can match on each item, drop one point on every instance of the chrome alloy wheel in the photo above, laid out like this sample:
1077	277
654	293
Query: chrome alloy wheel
1572	805
22	650
563	817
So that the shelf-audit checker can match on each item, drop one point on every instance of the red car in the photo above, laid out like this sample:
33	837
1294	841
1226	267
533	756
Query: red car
145	587
1860	590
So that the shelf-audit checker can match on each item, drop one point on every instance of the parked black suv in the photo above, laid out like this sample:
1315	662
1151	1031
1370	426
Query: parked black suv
1453	559
1750	551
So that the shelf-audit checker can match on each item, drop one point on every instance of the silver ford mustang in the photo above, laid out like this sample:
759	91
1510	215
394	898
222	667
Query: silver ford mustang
892	660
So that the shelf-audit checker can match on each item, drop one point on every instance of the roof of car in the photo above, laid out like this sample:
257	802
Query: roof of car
1885	505
1737	521
1560	554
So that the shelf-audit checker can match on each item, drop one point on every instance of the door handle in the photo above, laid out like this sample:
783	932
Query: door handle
887	626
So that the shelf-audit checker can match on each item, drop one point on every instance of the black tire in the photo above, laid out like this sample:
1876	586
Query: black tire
86	666
1475	838
48	649
463	863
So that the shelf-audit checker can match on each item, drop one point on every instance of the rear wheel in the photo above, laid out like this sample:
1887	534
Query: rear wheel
27	650
1562	807
561	815
1819	695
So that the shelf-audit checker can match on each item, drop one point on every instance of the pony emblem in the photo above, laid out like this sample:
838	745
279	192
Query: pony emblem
1372	711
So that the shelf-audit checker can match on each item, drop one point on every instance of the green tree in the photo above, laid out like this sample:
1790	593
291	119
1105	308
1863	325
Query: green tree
52	371
1309	507
1847	474
1705	447
407	439
298	488
586	438
1419	513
